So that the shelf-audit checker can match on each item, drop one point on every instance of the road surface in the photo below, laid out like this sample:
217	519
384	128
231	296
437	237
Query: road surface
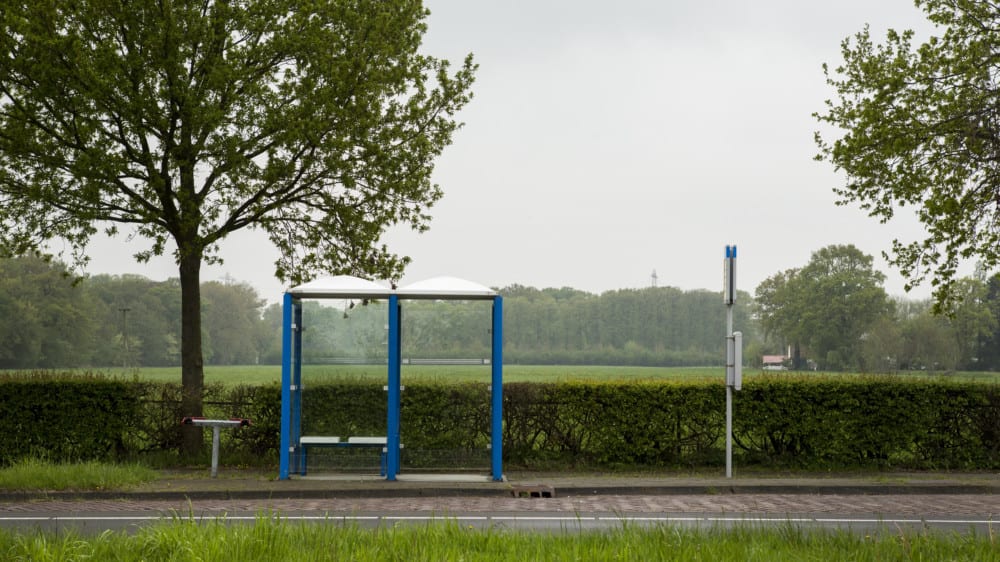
959	512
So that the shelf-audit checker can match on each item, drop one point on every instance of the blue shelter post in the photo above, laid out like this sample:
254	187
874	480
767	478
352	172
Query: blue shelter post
286	387
394	387
496	392
296	389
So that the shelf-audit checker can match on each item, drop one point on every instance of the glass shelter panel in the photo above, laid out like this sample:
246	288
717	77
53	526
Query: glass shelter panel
446	375
343	398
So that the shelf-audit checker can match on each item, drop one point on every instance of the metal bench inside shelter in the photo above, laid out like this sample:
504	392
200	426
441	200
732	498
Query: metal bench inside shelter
305	442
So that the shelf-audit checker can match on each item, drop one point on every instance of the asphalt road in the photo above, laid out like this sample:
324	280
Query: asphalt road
862	513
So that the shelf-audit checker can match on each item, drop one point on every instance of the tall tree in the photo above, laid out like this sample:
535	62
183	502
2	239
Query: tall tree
232	322
777	307
929	343
921	127
972	320
989	344
881	347
45	321
182	121
138	323
827	306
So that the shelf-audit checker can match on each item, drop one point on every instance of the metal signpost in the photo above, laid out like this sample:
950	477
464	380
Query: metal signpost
734	352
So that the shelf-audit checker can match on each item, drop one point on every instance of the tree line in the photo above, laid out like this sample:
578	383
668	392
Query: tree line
831	314
50	319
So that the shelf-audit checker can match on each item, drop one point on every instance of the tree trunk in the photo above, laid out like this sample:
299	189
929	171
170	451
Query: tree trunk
192	361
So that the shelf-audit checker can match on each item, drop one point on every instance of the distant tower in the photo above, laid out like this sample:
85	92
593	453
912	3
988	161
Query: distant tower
653	278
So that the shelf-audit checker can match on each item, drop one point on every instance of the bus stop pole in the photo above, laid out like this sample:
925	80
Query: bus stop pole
729	395
729	297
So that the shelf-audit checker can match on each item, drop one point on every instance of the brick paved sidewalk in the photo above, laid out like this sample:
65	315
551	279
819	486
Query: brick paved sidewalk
987	506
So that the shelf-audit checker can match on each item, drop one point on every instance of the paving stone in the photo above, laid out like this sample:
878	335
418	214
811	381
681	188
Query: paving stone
909	504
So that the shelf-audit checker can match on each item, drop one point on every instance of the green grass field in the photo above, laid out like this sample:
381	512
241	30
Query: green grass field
265	374
271	374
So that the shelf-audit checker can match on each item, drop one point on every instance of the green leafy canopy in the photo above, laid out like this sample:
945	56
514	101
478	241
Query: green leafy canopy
317	121
921	127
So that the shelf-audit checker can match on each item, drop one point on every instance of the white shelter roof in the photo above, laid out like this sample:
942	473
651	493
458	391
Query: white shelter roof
348	286
340	286
451	288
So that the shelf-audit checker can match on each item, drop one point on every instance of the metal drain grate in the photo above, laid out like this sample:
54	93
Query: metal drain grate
533	491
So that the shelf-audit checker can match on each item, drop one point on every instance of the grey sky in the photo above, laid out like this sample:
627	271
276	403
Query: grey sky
609	139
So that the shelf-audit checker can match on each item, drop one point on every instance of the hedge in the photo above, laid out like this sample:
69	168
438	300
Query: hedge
806	422
864	422
61	417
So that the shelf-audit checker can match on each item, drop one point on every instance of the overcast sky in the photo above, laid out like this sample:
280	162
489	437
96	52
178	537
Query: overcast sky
607	140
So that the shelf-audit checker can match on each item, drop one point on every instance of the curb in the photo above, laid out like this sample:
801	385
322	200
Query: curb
505	491
800	489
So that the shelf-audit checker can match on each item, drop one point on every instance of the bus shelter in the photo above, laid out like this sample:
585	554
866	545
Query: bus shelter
347	287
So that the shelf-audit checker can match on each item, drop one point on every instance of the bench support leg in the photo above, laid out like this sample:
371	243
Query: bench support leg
215	451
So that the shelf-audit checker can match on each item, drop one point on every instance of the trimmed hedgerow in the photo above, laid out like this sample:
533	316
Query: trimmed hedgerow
807	422
80	417
868	422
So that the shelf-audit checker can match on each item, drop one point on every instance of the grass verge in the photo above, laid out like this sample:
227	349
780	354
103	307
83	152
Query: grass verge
35	475
271	539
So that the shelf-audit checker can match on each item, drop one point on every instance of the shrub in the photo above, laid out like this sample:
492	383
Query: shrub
63	418
780	421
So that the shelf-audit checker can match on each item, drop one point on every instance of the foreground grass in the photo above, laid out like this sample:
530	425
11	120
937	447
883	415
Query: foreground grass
32	474
268	539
